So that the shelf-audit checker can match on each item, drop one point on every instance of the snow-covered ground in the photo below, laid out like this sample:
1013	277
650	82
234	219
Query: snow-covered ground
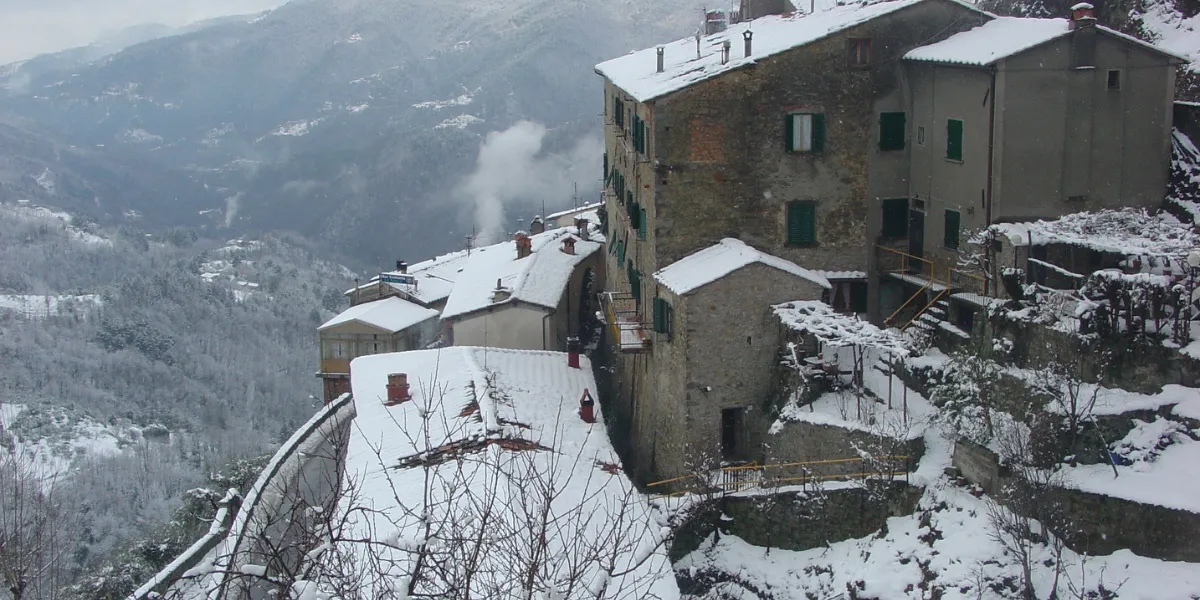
35	306
52	439
24	210
947	538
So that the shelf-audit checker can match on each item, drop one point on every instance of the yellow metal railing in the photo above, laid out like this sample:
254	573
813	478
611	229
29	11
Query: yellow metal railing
734	479
932	278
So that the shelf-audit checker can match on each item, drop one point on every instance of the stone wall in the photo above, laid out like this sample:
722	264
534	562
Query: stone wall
723	169
798	520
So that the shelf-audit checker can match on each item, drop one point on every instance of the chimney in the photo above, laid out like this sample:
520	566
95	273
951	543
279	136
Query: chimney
568	245
1082	15
397	389
537	225
401	267
573	352
501	293
725	51
587	407
581	227
747	35
524	245
661	52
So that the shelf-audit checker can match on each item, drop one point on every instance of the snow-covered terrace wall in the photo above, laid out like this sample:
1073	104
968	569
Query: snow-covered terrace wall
306	471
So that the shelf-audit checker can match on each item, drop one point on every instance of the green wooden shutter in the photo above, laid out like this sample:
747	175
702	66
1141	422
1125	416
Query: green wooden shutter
954	139
789	131
621	251
606	168
818	132
660	316
635	285
642	224
801	223
952	224
892	128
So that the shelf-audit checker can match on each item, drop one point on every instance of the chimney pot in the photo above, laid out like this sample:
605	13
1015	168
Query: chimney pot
573	352
537	225
524	245
397	389
661	52
402	267
747	35
1082	15
568	245
581	227
725	46
587	407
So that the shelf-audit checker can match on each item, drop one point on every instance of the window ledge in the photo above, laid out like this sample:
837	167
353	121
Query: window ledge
955	161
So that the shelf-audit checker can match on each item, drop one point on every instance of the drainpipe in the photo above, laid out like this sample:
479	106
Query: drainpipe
987	201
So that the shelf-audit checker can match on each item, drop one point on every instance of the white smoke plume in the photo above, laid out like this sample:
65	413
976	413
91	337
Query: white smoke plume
512	167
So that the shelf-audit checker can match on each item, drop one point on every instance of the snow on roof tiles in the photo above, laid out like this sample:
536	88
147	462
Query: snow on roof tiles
635	73
390	314
471	399
577	210
538	279
1001	38
435	277
712	263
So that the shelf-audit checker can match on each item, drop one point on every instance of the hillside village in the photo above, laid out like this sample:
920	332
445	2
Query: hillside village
889	299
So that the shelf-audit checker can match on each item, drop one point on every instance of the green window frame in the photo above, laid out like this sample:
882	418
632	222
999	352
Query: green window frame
953	220
893	127
954	139
804	132
895	218
802	223
620	251
662	316
641	223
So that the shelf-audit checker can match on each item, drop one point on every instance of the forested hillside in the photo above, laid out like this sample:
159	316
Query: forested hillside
142	362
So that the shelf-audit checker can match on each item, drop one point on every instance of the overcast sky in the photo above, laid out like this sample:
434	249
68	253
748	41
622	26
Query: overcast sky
31	27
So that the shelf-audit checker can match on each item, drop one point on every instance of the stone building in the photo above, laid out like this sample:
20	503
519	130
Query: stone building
1018	120
531	293
826	138
389	324
711	358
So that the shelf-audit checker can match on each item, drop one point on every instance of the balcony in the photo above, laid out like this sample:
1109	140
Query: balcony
630	333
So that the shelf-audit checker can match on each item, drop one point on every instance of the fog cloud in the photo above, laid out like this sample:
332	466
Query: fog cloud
512	168
32	27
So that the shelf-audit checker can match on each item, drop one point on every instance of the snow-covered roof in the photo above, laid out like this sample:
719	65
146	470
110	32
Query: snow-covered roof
578	210
1001	38
390	314
481	421
832	275
1129	231
636	73
716	261
435	278
835	329
538	279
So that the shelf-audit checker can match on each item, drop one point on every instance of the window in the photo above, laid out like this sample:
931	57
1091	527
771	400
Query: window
954	139
895	218
805	132
1114	79
620	251
663	316
921	135
801	223
731	425
642	224
619	112
606	167
892	128
952	223
860	52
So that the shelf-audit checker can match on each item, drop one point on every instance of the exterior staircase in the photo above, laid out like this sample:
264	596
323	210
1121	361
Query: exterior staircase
926	309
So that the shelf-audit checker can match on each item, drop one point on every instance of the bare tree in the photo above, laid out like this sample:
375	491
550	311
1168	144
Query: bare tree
33	526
